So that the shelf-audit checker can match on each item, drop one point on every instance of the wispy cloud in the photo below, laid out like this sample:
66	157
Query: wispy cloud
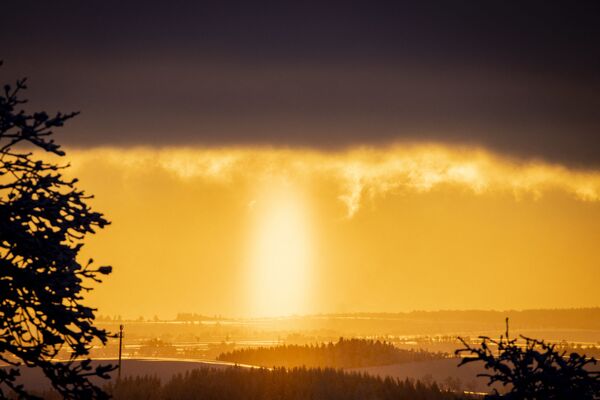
358	173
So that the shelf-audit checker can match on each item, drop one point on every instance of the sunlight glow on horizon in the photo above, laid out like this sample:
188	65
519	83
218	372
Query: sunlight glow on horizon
280	251
271	231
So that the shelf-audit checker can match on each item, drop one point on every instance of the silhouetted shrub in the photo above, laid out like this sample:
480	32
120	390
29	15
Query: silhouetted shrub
535	370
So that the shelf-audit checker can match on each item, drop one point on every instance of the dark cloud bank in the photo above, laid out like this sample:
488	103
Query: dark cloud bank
518	77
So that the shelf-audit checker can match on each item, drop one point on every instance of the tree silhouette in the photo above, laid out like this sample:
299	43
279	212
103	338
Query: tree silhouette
43	220
535	370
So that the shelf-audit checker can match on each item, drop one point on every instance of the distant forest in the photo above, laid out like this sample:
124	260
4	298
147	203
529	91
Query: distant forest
453	321
282	384
346	353
580	318
550	318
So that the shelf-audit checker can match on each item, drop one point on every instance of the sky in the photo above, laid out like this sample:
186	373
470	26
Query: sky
268	232
266	159
517	77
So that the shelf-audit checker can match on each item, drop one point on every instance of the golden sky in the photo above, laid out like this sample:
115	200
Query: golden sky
274	231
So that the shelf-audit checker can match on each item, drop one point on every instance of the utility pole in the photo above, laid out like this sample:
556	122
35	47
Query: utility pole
120	350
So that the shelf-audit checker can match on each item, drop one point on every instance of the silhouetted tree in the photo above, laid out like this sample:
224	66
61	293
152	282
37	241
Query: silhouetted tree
535	370
43	220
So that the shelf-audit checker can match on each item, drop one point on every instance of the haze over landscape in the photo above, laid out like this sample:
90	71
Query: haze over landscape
268	232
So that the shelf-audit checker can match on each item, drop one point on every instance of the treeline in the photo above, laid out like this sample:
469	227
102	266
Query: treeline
186	317
579	318
346	353
281	384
